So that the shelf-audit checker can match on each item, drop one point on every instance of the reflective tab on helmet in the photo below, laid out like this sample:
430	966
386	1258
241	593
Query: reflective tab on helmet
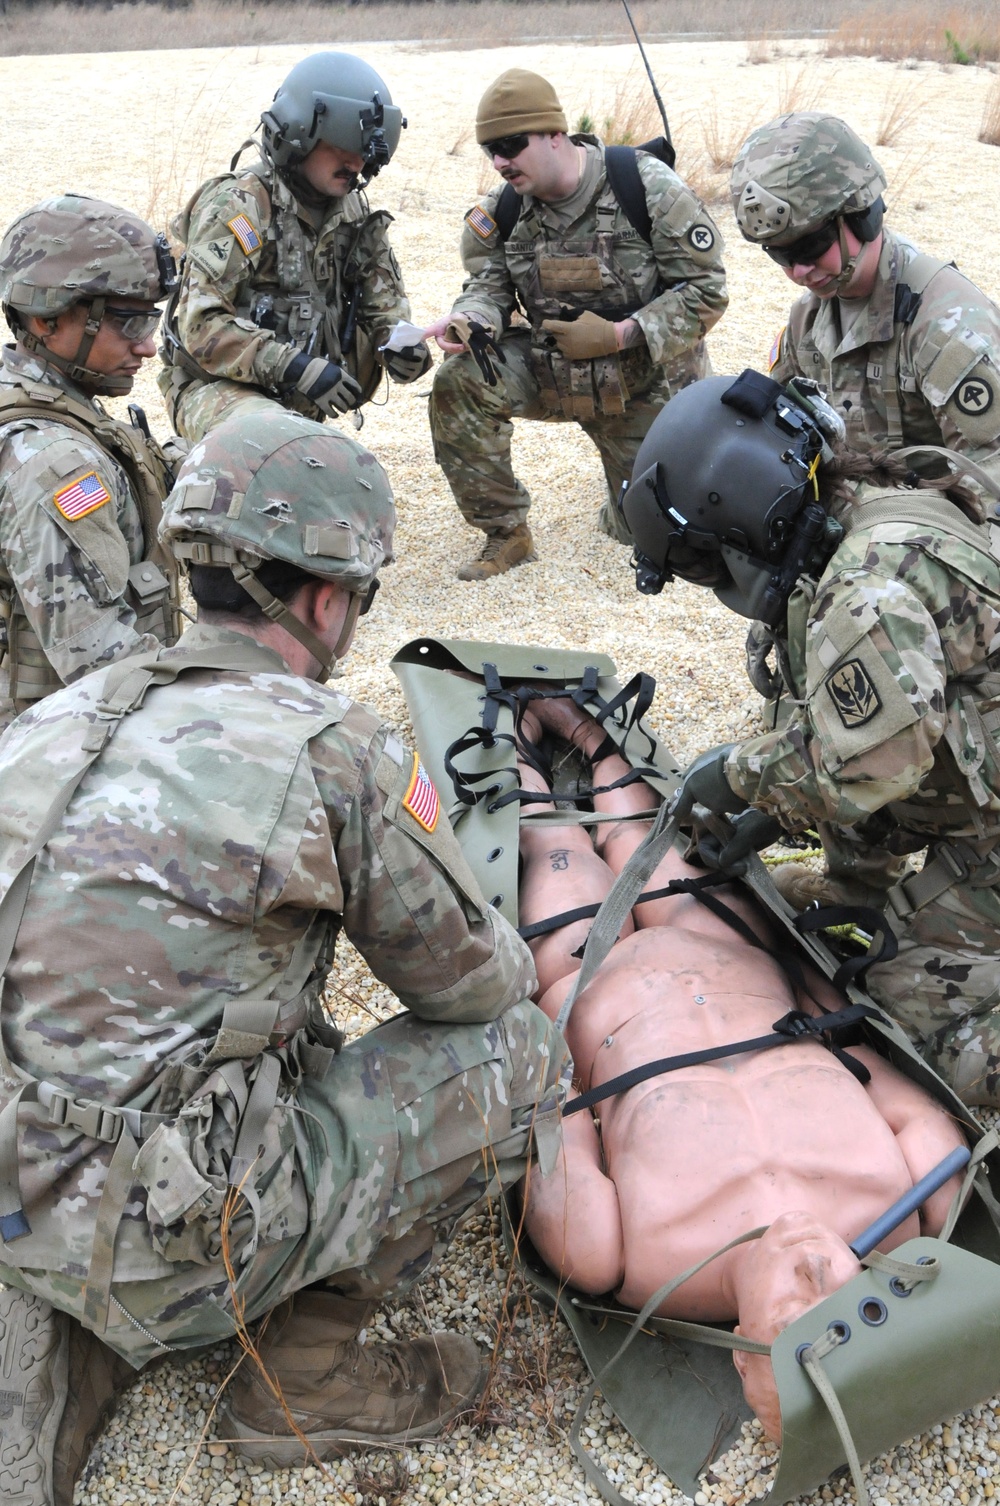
761	214
335	540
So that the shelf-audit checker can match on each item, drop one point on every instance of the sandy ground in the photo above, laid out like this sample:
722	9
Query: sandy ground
145	129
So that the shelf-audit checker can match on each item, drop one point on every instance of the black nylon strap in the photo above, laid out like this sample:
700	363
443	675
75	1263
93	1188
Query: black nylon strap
792	1027
868	919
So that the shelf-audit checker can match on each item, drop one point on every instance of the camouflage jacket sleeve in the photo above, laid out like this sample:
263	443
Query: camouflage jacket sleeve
782	362
874	705
953	348
70	572
411	905
688	248
218	274
383	301
488	291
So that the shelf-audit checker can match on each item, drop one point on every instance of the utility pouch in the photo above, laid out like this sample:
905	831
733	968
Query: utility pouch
569	274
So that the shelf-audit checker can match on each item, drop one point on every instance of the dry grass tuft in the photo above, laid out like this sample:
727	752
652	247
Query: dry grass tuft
380	1479
920	30
723	140
630	117
989	131
799	90
900	108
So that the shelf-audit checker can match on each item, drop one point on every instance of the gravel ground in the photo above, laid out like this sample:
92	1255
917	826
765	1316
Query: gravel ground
156	124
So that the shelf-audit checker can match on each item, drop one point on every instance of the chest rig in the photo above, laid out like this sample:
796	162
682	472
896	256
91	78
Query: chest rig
307	287
562	274
152	590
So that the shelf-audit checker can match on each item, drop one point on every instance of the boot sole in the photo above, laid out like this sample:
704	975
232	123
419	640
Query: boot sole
286	1451
34	1370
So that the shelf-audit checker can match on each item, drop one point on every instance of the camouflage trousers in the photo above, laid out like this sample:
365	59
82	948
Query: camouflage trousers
471	428
943	987
194	408
411	1127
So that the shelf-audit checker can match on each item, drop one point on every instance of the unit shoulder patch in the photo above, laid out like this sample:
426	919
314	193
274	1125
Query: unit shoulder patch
853	694
82	496
421	798
701	238
482	223
974	396
245	234
774	354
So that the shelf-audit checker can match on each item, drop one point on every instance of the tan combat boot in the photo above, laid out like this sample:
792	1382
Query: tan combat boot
504	548
343	1394
803	886
60	1383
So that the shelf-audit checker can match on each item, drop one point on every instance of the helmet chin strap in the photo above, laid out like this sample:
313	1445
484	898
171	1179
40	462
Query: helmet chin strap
77	369
279	612
848	263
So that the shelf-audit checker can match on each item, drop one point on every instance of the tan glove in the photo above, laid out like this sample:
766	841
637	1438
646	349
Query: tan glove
583	339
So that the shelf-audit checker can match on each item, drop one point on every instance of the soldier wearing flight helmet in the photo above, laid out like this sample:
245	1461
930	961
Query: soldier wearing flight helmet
289	284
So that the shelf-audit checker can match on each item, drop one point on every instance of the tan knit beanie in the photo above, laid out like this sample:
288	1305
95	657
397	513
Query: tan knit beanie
518	101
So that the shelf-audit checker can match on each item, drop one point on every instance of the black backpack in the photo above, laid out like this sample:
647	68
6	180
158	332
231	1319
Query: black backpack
626	184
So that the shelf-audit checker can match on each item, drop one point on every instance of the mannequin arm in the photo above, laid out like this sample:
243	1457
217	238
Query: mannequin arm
572	1215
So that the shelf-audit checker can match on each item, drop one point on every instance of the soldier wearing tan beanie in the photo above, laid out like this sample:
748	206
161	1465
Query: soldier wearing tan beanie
617	317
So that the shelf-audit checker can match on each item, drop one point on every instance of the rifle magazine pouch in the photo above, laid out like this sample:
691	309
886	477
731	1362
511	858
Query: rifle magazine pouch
912	1356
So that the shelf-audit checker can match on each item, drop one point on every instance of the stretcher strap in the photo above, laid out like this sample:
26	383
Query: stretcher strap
882	948
676	886
794	1026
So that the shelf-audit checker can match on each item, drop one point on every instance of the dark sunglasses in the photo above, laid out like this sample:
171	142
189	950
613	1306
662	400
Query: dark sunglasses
507	147
369	597
134	325
808	248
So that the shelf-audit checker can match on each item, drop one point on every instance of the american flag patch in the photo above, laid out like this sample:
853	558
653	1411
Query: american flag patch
84	495
478	220
421	798
775	352
245	233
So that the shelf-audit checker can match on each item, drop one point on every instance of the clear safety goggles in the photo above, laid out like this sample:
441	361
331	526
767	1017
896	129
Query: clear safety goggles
134	325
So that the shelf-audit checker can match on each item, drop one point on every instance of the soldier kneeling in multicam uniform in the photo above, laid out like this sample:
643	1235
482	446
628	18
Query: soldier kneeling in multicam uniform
289	285
82	578
212	816
907	349
886	602
618	304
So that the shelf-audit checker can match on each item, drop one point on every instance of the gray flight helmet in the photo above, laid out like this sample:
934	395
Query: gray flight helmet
724	492
337	98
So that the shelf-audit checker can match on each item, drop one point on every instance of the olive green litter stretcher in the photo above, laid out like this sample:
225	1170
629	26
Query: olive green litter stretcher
912	1340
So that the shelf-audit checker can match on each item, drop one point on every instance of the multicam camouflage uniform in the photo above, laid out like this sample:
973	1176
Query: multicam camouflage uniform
946	372
268	275
895	659
581	253
78	588
228	819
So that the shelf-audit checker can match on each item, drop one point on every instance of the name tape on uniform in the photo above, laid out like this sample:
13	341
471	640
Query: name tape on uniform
421	798
85	494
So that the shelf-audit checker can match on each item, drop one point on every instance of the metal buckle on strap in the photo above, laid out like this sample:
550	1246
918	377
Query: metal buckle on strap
95	1120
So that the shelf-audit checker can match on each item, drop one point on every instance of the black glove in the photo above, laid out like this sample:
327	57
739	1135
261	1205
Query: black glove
408	364
704	783
481	344
751	831
324	383
765	680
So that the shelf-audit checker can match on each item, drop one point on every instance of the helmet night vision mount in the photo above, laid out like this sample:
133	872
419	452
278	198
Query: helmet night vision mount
724	492
337	98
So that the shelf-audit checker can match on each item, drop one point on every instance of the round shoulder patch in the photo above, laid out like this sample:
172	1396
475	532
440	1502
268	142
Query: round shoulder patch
974	396
701	238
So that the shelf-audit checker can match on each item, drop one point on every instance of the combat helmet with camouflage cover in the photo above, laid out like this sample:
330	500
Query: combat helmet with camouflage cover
74	249
337	98
277	486
800	173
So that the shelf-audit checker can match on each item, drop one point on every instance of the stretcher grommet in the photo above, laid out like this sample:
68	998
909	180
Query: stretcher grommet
841	1329
873	1311
494	789
899	1288
800	1351
497	852
423	649
542	668
496	901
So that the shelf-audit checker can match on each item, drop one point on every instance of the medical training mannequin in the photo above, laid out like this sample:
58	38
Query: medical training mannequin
687	1161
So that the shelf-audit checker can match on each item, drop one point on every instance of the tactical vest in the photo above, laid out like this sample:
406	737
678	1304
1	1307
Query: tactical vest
565	277
266	1040
295	306
152	589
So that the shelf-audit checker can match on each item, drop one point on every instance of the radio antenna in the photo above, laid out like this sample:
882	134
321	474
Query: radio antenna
652	80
